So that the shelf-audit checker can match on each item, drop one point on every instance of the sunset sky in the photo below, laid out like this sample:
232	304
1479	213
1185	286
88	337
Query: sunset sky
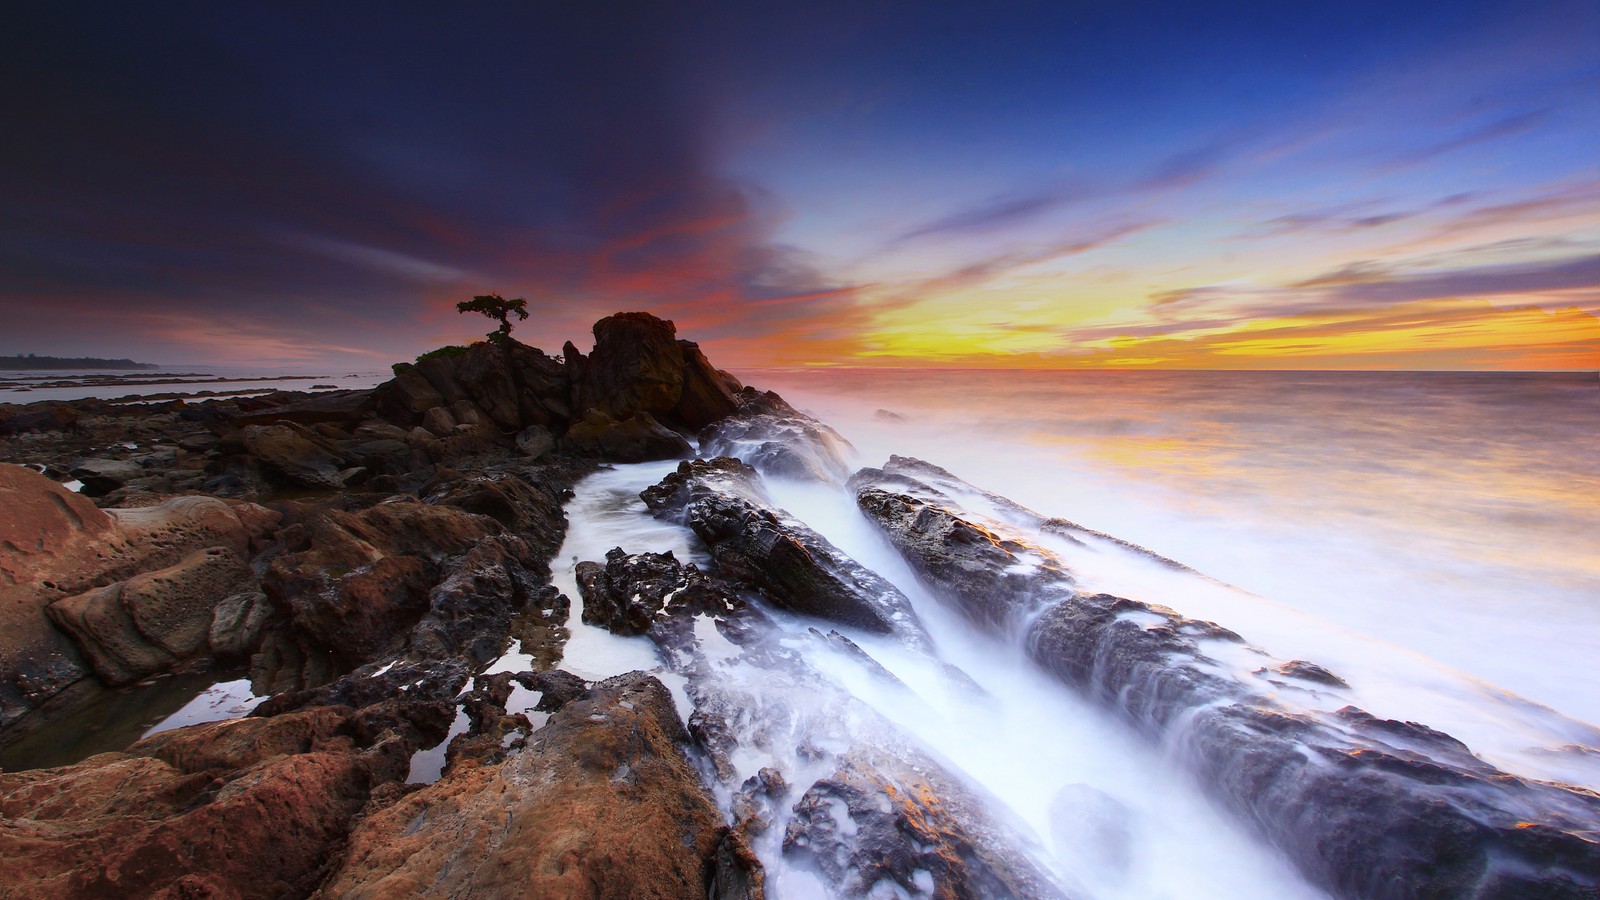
1221	185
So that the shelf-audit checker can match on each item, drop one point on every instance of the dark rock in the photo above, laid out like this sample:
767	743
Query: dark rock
102	476
910	826
535	441
637	366
294	455
628	594
722	501
557	688
336	408
708	395
486	378
404	398
639	438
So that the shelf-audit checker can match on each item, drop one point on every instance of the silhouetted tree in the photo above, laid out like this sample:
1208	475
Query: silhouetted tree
496	307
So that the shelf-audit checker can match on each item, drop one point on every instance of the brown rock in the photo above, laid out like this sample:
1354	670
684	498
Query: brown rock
146	624
600	804
55	544
246	808
484	372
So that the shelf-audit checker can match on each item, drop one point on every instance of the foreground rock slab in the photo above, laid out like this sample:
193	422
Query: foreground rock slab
601	803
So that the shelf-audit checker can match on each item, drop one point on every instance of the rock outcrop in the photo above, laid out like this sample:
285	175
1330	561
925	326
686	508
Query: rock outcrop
722	501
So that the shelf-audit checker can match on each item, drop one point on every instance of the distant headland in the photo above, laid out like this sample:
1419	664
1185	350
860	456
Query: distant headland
8	363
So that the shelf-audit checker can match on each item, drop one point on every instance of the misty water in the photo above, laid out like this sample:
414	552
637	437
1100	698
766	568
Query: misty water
1428	537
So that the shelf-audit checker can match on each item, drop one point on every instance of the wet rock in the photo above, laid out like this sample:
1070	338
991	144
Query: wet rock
878	824
722	501
1305	671
470	611
231	809
627	594
1363	807
600	803
778	440
557	688
638	438
151	622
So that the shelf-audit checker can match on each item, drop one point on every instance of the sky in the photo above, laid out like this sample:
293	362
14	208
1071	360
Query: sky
1064	185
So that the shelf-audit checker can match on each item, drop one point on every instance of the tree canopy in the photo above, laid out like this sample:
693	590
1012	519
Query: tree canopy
496	307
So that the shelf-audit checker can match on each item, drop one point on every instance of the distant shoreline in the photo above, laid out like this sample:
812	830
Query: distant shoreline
10	363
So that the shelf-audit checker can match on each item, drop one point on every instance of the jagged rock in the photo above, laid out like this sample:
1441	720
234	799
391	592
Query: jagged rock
1366	811
722	501
245	808
151	622
639	438
471	609
335	408
601	803
878	822
636	366
708	395
355	582
294	455
627	594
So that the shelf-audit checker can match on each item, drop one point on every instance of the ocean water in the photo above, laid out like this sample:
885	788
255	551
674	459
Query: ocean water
1454	515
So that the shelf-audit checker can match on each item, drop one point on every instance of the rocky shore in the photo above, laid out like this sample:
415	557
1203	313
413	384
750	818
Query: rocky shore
366	561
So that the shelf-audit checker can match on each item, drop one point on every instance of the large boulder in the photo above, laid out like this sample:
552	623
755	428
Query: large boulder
292	455
638	438
601	803
708	395
636	366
